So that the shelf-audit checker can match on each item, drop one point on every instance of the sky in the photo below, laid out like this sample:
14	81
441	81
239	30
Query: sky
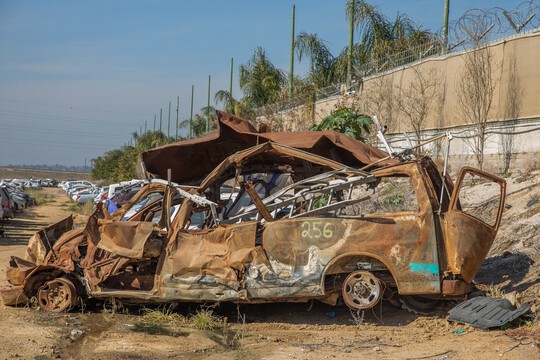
77	78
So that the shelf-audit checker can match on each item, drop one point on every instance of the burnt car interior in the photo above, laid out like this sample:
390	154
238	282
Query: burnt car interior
250	191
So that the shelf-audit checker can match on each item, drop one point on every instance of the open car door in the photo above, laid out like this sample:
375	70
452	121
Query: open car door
470	226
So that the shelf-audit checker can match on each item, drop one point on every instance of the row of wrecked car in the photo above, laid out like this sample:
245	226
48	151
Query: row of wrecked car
27	184
83	192
12	199
250	217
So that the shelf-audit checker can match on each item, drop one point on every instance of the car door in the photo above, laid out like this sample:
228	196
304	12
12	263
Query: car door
472	221
125	251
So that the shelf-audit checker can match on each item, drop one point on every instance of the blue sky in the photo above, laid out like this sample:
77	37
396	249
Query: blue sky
78	77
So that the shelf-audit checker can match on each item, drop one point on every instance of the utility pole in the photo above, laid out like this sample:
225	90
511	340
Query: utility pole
291	71
160	118
191	115
230	82
445	25
154	122
177	109
351	40
208	107
169	123
145	126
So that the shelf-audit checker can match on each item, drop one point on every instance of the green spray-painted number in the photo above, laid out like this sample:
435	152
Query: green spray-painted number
316	230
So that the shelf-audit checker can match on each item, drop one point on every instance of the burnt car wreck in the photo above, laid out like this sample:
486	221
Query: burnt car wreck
271	221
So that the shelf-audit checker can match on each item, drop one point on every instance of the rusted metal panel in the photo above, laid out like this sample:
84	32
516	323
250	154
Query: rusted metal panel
41	242
301	249
267	153
18	270
191	160
13	295
125	238
218	253
468	239
455	287
209	265
467	243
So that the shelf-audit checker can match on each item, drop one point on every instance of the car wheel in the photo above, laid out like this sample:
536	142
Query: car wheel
57	295
361	290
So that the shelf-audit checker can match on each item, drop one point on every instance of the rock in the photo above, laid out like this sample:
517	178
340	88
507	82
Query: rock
75	334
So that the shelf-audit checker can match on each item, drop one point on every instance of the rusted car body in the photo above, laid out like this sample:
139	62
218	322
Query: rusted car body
270	223
255	254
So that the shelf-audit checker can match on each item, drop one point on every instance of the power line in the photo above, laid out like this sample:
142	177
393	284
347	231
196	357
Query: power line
21	114
75	159
60	144
60	132
72	107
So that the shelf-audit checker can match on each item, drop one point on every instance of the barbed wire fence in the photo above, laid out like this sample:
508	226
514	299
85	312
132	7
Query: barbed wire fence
478	26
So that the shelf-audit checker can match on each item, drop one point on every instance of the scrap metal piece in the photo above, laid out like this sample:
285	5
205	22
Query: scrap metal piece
455	287
486	312
250	190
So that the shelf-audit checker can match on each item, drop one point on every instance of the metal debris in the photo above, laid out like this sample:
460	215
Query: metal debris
486	312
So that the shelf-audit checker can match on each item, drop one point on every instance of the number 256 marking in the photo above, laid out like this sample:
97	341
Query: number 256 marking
316	230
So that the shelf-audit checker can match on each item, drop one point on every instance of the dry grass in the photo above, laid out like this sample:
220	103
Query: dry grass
162	322
495	291
205	319
40	196
86	209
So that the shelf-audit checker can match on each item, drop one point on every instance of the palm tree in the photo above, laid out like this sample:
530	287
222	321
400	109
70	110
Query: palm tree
260	80
199	122
347	121
373	26
229	102
150	139
321	61
380	37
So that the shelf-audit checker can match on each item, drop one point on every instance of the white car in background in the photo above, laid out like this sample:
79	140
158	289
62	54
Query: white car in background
70	184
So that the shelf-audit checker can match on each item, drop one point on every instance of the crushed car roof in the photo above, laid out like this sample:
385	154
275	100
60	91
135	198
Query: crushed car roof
268	153
191	160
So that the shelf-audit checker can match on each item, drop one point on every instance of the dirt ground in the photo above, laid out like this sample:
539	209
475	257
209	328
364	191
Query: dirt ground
286	331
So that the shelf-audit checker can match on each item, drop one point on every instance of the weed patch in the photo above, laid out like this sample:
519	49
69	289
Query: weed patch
86	209
162	322
205	319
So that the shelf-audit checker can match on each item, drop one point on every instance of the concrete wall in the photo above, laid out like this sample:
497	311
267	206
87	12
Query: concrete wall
517	57
516	99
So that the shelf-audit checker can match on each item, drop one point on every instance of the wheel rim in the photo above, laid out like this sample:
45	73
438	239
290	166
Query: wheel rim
361	290
57	295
